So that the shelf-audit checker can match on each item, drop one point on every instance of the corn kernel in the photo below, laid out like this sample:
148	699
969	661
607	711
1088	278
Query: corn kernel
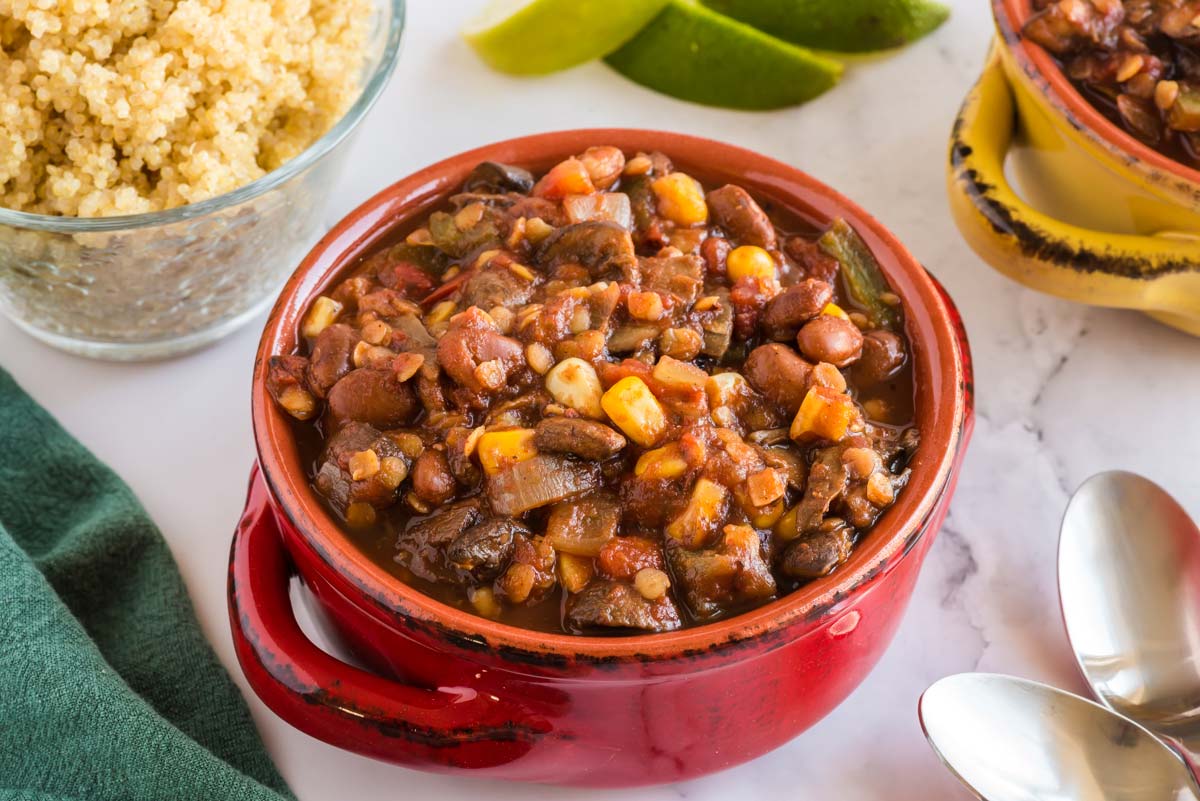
681	343
503	317
441	312
537	229
363	465
768	515
750	261
406	365
879	490
574	383
698	522
323	313
469	216
645	306
834	310
484	601
666	462
408	443
360	515
298	402
491	374
419	237
680	199
632	406
392	471
521	271
499	450
574	572
366	354
788	527
823	414
652	583
539	357
377	332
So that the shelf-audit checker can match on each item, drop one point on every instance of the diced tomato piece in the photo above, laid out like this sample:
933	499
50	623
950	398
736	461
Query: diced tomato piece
623	557
568	177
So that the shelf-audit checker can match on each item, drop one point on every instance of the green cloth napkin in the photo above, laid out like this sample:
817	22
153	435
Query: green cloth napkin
108	689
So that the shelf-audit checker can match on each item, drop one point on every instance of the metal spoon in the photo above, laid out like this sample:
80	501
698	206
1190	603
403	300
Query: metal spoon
1010	739
1129	584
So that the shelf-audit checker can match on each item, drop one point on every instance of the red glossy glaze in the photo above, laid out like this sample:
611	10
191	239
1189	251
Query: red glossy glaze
468	694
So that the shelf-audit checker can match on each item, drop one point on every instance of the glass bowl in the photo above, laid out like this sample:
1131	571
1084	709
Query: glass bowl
148	286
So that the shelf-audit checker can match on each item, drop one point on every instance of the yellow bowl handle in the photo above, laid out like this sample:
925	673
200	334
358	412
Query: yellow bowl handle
1157	274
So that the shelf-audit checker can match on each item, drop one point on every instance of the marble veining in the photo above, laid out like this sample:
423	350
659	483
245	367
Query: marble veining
1064	391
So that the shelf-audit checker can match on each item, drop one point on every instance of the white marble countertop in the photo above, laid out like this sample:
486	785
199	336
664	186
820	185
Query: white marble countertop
1063	391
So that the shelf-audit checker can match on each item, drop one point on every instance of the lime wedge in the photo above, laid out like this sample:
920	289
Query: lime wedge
847	26
693	53
532	37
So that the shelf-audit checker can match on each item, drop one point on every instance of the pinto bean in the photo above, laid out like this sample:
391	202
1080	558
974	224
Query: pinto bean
332	357
715	251
604	165
741	217
831	339
372	396
793	307
472	340
778	372
882	355
432	480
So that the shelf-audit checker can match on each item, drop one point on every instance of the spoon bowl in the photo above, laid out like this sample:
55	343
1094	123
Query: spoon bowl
1129	583
1010	739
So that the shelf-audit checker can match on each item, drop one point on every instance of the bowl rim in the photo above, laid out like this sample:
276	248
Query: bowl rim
940	367
372	89
1039	65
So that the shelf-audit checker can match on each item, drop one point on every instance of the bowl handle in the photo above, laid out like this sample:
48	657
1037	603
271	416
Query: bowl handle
447	727
1158	274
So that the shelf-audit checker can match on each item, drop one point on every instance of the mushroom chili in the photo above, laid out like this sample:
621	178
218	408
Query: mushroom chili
605	400
1137	61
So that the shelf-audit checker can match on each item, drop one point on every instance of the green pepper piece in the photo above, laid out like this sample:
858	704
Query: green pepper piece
447	238
860	270
428	258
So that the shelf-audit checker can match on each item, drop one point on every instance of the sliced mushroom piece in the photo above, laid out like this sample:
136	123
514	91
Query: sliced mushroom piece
604	248
484	550
818	553
492	176
584	438
614	605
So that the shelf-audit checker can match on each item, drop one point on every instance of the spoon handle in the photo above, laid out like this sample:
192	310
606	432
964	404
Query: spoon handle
1188	749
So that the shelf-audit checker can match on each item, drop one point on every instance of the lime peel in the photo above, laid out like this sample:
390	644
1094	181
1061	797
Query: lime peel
534	37
693	53
847	26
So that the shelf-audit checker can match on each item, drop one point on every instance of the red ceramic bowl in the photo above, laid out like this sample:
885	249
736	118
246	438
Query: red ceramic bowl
453	692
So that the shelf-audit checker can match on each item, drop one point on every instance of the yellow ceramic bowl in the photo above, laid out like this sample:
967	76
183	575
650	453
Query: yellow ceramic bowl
1101	218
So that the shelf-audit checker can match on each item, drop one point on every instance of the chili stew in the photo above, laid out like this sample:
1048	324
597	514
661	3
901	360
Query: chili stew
604	400
1137	61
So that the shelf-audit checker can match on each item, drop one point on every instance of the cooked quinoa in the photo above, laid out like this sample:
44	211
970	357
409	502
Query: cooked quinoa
128	106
